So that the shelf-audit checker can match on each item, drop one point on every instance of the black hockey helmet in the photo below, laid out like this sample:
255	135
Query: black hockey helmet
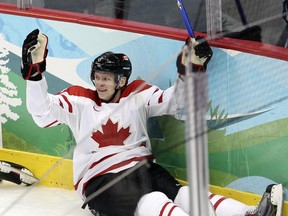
116	63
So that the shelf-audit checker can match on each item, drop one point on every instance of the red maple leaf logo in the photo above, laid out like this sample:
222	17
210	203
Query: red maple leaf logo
110	135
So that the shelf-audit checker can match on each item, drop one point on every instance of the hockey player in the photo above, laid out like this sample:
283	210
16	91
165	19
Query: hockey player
109	126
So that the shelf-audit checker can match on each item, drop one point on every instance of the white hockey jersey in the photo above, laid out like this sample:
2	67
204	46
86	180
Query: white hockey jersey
110	137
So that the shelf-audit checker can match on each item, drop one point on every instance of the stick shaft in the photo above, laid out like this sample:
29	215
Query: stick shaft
241	12
185	18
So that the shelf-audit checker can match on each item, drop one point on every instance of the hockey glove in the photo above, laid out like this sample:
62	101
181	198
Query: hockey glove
201	54
34	52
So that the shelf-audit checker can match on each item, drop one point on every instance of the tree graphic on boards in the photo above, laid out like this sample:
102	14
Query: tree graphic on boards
8	91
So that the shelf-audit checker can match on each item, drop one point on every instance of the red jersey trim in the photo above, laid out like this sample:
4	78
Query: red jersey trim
70	109
136	86
153	93
83	92
115	166
99	161
160	99
52	123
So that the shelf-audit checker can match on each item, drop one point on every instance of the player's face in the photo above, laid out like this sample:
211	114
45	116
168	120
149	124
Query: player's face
105	85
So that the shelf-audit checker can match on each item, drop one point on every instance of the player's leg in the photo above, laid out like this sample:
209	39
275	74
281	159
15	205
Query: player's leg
157	203
223	206
271	201
182	200
164	189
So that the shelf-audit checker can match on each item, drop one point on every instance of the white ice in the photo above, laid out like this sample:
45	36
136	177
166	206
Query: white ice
18	200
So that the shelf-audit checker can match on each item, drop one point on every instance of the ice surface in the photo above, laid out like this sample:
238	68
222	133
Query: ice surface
18	200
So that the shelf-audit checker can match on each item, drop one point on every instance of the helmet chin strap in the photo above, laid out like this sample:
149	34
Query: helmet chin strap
112	98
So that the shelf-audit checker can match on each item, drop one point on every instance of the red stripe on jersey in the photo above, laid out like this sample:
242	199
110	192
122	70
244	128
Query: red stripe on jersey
135	87
61	104
108	156
83	92
123	163
160	99
52	123
115	166
163	208
153	93
77	184
70	108
99	161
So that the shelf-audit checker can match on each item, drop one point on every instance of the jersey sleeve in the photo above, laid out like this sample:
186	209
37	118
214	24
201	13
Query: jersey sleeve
46	109
167	102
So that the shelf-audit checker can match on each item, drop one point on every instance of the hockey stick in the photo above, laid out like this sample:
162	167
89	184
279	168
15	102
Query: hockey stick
241	12
185	18
285	11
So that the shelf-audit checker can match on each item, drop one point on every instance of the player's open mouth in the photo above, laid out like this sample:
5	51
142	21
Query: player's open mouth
101	90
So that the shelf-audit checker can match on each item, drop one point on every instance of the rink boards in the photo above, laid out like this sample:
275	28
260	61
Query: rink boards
56	172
